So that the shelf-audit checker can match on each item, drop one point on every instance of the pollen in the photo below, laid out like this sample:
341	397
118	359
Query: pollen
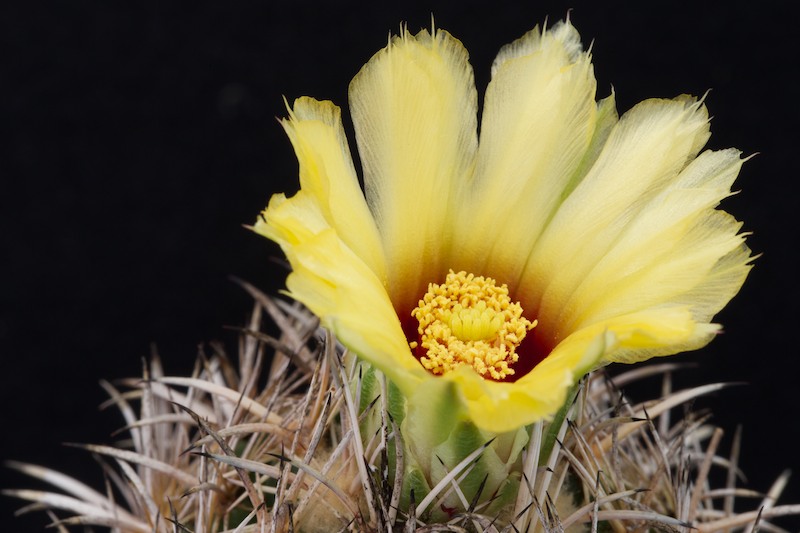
469	320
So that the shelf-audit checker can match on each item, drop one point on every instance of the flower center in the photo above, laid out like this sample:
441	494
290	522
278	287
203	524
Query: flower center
469	320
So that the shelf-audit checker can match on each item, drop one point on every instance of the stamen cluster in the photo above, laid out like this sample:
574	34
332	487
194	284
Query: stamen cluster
470	320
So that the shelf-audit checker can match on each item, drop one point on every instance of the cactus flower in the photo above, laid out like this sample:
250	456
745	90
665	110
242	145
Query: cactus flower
502	266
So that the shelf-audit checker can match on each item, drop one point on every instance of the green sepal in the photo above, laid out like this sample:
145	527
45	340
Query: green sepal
413	481
439	435
371	388
464	439
371	381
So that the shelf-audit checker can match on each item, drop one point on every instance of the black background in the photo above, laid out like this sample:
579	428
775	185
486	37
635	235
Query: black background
138	138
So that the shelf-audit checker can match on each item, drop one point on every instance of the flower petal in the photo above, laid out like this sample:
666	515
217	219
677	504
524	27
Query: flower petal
352	302
415	115
337	286
327	173
646	150
672	252
501	407
649	333
538	122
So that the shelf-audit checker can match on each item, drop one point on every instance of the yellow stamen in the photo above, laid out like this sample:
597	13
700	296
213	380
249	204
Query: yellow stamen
470	320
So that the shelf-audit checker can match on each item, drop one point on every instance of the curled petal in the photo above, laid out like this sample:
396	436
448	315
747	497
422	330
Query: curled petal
336	285
327	173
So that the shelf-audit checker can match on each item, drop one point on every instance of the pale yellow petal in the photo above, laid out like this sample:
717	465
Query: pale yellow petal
350	300
646	149
414	110
651	333
668	252
622	338
605	121
723	281
327	174
563	33
339	287
500	407
538	123
289	221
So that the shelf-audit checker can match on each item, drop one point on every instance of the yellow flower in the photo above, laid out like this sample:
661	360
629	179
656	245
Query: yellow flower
564	239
